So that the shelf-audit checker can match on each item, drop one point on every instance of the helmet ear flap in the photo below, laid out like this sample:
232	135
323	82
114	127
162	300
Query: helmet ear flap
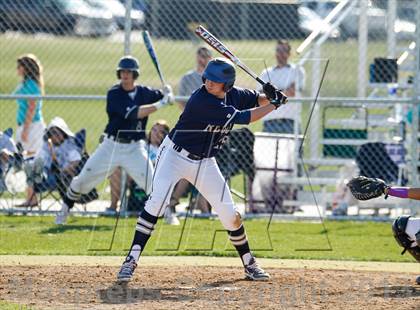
227	87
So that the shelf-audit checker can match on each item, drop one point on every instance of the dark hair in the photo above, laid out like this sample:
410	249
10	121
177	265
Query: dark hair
32	69
286	43
48	133
204	52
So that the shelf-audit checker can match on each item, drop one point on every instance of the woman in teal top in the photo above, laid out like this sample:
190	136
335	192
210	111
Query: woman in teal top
29	119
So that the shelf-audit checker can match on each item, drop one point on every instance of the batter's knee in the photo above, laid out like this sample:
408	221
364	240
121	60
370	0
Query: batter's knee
237	222
157	202
231	221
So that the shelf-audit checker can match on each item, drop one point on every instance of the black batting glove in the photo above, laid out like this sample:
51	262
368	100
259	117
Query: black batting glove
269	91
279	100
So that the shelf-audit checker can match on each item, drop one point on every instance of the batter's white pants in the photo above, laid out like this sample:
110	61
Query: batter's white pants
107	157
205	175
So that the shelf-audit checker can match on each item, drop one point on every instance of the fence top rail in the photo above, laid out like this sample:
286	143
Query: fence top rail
326	100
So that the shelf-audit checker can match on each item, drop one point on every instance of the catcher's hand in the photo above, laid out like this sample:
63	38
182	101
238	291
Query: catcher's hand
364	188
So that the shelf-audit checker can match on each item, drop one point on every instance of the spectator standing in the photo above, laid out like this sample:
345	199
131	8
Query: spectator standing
29	118
291	80
192	80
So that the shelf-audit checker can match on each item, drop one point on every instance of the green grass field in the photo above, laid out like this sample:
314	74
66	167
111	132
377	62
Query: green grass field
365	241
13	306
87	66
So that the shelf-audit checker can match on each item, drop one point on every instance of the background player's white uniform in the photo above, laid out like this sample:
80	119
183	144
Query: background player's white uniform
123	141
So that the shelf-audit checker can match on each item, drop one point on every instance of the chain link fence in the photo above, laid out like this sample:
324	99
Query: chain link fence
365	121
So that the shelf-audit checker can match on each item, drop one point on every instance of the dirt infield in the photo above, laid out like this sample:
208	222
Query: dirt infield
81	285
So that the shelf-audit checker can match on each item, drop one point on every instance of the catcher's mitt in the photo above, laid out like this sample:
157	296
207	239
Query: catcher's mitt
364	188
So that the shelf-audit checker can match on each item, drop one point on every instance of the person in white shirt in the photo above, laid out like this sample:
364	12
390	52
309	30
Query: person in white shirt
291	80
192	80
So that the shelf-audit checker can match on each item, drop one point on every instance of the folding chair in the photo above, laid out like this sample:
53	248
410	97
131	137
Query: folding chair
14	165
375	160
55	183
4	170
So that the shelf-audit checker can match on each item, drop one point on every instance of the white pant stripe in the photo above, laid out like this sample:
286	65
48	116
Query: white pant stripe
143	229
143	222
240	242
237	237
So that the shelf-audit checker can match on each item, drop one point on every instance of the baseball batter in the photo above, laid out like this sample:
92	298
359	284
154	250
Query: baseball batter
128	107
406	229
188	152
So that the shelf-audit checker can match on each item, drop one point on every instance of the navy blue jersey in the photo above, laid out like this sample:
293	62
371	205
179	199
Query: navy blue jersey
122	109
206	122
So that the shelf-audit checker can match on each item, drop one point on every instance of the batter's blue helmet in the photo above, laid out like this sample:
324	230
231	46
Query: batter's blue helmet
220	70
128	63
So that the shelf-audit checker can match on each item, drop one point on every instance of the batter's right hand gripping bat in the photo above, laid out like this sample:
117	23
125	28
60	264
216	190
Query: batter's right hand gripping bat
275	96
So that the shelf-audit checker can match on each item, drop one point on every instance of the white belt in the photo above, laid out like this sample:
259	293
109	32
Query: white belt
183	152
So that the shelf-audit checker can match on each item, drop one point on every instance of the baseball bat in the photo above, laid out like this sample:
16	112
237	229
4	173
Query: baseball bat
151	50
211	40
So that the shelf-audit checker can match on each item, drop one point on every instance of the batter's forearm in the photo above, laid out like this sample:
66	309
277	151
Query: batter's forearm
146	110
260	112
262	100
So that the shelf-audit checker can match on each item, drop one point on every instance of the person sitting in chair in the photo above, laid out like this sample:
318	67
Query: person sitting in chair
7	152
57	162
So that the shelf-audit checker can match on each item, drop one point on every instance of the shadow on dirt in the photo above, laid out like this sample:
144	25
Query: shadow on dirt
396	291
123	294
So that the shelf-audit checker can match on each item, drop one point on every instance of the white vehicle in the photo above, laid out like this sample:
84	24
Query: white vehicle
118	11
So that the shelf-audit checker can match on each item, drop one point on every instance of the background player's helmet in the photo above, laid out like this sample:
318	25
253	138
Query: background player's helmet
128	63
220	70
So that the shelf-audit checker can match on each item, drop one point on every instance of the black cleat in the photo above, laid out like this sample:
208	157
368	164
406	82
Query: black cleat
254	272
127	269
